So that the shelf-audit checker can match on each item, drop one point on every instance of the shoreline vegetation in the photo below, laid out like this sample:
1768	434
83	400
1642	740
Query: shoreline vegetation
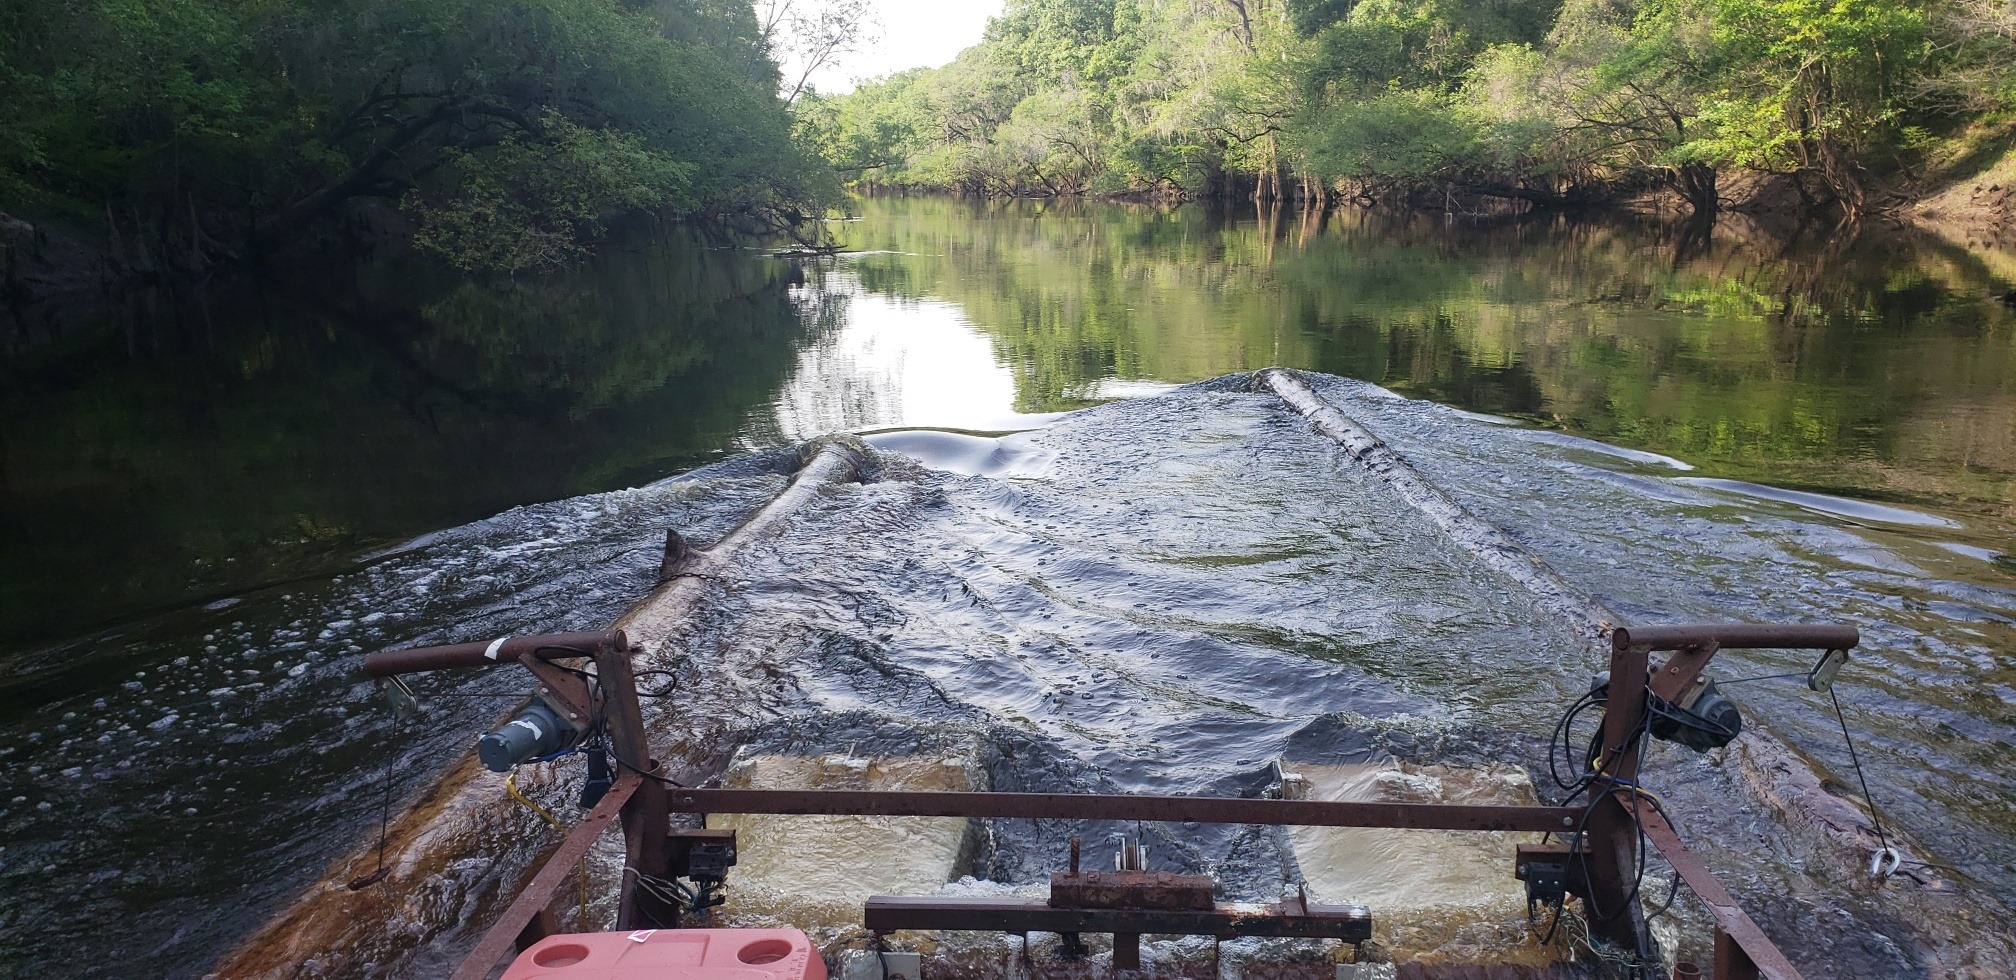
170	141
1851	108
147	141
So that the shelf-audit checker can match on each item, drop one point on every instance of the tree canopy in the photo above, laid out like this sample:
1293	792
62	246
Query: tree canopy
506	131
1548	100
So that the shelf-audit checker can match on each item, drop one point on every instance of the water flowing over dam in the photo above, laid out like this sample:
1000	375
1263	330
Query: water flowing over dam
1167	594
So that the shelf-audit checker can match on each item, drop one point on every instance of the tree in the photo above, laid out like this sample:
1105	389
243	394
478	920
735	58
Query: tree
807	35
1554	102
1809	86
195	127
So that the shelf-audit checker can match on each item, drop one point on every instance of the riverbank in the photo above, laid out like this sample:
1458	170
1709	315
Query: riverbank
1977	211
144	146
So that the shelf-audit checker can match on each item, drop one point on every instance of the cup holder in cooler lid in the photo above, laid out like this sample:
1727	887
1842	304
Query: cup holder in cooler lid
666	954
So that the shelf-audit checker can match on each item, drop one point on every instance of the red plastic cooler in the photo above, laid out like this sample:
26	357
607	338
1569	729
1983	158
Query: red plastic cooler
672	954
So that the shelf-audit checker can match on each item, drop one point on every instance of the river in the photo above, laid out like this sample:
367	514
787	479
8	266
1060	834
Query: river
212	504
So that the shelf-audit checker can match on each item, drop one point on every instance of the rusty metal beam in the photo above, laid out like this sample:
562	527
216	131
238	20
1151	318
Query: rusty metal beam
1130	890
1753	950
1611	854
454	656
537	895
1159	809
892	913
1738	636
646	817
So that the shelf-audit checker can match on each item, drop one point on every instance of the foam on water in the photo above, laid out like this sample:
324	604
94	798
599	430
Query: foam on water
1825	503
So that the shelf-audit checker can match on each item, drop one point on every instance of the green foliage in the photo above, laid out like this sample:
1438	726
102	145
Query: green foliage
272	115
533	203
1546	99
1402	135
1808	83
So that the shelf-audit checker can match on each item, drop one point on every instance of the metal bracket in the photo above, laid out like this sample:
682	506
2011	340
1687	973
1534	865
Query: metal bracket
1821	679
567	692
1550	871
701	854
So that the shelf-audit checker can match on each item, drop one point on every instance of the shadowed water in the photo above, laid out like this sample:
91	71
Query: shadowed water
1163	593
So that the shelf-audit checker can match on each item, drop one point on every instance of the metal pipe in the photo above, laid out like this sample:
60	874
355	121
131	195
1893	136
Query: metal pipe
1159	809
484	653
645	817
1739	636
1615	914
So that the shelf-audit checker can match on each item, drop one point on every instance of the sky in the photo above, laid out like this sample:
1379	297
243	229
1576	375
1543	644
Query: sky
914	33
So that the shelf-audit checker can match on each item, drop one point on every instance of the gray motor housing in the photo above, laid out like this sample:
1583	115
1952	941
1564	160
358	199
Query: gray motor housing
536	731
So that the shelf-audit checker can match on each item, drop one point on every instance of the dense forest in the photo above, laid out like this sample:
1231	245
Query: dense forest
181	135
1832	103
150	139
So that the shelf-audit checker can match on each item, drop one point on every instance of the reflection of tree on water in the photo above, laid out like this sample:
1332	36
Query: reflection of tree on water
289	429
1805	356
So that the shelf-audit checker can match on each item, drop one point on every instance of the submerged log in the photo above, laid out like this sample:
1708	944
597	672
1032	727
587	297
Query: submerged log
1493	547
458	855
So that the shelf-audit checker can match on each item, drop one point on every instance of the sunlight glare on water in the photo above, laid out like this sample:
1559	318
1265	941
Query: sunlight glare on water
896	362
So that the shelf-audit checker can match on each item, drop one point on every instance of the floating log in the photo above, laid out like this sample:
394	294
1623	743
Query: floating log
458	854
1493	547
1949	929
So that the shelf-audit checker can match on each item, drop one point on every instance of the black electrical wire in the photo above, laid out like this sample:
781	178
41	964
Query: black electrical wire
1559	745
1594	759
576	651
599	736
1665	709
667	691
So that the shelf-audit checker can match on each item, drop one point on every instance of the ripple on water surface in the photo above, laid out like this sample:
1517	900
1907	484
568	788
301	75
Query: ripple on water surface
1156	595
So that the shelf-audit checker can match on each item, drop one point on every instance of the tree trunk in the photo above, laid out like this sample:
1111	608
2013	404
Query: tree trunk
1696	182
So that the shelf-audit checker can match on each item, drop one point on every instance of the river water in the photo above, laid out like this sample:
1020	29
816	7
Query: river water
212	505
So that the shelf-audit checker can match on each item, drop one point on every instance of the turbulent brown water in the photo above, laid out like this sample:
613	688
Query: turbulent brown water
1161	593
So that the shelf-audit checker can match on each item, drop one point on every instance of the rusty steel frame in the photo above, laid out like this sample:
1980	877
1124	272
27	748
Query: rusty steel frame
637	799
1156	809
1610	824
1742	950
1289	919
1617	817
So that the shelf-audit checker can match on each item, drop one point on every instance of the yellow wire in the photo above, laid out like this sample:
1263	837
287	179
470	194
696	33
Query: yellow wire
511	787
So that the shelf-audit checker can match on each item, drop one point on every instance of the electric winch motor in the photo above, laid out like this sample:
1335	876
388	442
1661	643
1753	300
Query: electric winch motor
537	731
1700	719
